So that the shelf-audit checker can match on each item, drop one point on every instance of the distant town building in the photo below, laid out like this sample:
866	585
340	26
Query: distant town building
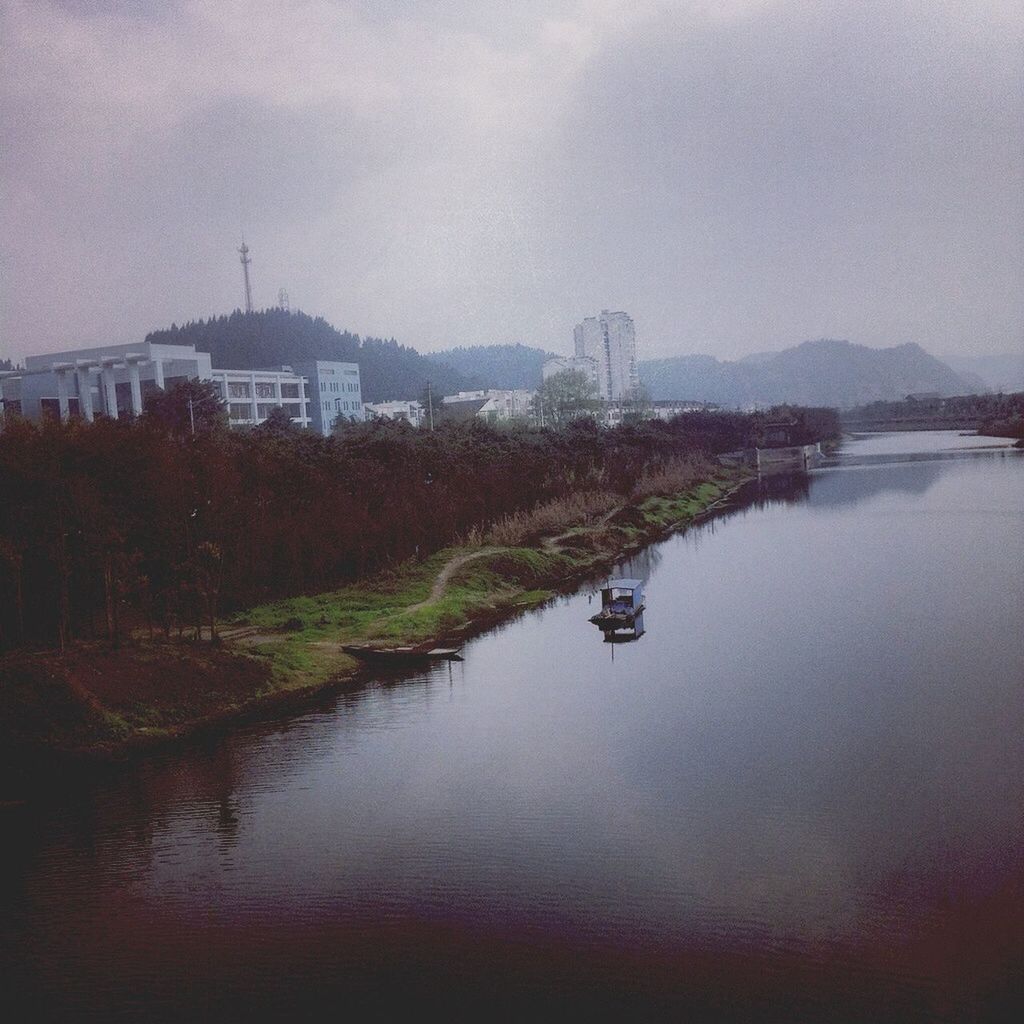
610	340
116	380
587	365
491	404
410	412
611	414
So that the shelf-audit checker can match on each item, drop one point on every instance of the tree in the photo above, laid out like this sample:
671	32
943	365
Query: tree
278	423
208	578
565	396
12	562
636	407
189	407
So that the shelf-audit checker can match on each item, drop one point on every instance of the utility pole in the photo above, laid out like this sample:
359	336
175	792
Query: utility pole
191	416
244	251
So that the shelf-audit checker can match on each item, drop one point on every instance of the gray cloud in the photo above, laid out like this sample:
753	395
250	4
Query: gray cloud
738	175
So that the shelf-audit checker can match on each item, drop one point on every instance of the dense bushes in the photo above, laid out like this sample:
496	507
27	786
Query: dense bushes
143	523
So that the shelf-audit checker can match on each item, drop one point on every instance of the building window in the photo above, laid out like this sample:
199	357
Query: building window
263	409
295	411
265	389
289	390
239	410
238	390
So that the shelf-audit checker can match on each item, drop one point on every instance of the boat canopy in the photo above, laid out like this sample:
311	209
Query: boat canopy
624	584
622	595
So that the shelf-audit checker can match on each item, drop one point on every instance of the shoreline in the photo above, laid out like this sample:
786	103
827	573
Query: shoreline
286	655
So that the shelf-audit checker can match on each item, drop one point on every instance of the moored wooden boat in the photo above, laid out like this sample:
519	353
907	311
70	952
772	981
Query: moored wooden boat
406	653
622	601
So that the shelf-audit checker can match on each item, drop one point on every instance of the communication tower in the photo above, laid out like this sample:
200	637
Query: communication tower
244	251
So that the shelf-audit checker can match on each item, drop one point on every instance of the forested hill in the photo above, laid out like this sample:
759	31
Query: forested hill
272	337
833	373
496	366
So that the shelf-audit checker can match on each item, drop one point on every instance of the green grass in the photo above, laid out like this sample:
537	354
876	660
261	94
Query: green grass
678	509
297	641
306	631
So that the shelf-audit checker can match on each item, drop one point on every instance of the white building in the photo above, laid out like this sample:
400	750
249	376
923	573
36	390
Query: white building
411	412
610	339
251	395
110	380
587	365
492	404
115	380
334	390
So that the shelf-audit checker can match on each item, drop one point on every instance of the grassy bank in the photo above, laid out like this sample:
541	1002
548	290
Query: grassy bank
97	700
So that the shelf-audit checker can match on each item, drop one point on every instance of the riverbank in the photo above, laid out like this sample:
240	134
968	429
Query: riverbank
97	702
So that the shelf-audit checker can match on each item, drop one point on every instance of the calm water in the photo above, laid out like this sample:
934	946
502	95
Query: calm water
800	796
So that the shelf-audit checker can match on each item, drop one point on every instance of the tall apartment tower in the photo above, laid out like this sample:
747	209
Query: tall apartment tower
610	340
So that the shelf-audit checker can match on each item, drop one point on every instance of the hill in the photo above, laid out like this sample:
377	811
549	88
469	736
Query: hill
999	372
496	366
272	337
834	373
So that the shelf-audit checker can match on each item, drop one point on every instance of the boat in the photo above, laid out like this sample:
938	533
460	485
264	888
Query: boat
622	600
624	634
402	654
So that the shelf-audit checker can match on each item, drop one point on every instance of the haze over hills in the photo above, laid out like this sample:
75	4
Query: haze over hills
1000	372
826	372
496	366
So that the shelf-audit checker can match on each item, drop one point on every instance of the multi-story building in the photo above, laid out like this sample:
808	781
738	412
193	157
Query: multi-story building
109	380
115	380
251	395
610	339
410	412
334	390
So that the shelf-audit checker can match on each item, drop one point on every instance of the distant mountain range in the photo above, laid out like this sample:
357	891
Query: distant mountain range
495	366
1000	372
835	373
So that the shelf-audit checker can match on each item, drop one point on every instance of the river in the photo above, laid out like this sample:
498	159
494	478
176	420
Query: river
797	797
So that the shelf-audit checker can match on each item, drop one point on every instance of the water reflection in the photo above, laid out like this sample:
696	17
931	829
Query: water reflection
798	797
626	633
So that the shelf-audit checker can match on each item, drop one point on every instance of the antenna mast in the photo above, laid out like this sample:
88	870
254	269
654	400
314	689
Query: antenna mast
282	300
245	274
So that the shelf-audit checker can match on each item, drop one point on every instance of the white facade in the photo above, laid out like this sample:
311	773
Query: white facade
610	339
411	412
498	404
110	380
334	389
115	380
251	395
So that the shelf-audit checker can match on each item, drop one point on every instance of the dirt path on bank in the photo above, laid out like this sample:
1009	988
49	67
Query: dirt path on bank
449	570
551	543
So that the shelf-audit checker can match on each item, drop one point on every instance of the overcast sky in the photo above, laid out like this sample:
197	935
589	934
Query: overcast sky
738	175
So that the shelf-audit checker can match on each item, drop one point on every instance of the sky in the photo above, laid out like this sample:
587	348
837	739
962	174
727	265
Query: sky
738	175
